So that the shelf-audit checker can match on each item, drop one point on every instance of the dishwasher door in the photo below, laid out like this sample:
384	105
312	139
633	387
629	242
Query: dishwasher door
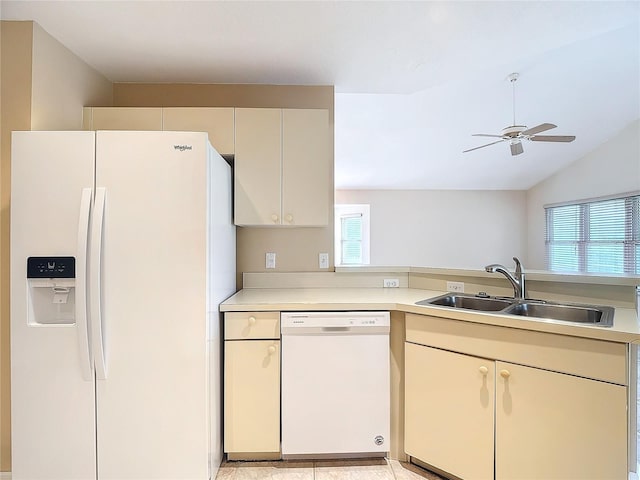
335	384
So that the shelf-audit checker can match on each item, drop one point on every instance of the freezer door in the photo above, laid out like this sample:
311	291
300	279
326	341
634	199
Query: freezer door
152	418
53	406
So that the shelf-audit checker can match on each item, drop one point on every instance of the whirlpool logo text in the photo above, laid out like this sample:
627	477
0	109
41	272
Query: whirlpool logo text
182	148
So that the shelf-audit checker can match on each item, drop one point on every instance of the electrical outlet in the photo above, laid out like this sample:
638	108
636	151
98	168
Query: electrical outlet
455	287
391	283
270	260
323	260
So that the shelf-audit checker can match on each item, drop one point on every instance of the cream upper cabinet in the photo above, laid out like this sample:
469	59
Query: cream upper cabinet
555	426
122	118
216	121
449	411
257	166
282	167
306	167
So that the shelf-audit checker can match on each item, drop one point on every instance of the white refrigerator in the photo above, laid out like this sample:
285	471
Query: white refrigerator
122	248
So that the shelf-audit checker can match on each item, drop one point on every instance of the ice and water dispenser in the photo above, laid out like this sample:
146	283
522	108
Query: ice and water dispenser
51	290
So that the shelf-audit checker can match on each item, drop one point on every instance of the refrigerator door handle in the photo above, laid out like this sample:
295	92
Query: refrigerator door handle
84	339
95	297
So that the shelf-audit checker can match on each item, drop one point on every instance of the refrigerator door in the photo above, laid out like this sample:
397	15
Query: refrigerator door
222	284
53	406
152	408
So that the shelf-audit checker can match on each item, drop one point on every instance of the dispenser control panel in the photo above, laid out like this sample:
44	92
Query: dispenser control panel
51	267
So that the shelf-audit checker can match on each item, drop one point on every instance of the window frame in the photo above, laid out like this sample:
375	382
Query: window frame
348	210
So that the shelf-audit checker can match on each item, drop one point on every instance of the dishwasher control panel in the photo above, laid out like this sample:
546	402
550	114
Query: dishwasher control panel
344	320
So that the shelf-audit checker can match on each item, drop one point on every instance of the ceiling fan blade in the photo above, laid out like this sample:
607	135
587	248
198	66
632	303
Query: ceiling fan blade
553	138
543	127
482	146
485	135
516	148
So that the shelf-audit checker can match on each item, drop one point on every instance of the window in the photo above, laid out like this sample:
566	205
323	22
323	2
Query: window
352	234
601	236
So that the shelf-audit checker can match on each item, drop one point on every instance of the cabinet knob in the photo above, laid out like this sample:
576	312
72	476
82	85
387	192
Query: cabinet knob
252	320
483	370
271	350
289	218
274	217
505	373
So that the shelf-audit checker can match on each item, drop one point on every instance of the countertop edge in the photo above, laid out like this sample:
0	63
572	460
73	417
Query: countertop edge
627	330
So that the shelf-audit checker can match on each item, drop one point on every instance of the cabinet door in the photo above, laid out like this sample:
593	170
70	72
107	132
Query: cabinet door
257	166
122	118
307	188
252	396
217	122
555	426
449	404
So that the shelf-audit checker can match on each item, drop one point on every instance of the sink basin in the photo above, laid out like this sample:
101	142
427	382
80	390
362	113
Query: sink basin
469	302
587	314
584	314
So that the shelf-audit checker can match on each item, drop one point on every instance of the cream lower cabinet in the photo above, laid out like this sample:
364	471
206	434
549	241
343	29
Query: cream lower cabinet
449	404
252	385
563	416
283	167
555	426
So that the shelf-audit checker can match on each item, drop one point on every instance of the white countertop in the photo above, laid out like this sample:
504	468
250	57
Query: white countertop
626	325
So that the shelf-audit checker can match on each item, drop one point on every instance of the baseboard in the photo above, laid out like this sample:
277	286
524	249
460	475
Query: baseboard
5	475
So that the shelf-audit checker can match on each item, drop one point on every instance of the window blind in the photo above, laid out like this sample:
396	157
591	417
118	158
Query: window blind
601	236
351	239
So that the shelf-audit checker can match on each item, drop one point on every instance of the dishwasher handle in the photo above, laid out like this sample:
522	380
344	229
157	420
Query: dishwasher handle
336	329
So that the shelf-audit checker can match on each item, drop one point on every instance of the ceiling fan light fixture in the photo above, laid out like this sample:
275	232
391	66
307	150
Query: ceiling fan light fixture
516	147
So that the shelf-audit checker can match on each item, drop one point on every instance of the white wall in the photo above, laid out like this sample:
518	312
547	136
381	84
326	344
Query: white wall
612	168
435	228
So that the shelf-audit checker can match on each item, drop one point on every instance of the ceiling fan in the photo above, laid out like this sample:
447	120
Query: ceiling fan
514	134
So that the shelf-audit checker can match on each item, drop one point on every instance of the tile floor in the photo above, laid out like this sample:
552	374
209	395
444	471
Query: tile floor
362	469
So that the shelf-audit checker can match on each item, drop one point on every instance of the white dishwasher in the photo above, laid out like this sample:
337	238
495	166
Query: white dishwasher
335	384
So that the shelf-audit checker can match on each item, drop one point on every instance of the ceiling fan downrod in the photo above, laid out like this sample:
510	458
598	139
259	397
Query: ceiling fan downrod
513	78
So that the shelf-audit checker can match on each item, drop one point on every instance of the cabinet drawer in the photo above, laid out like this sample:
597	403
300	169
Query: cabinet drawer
246	325
585	357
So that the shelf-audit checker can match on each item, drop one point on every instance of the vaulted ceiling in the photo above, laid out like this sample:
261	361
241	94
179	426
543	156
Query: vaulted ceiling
413	80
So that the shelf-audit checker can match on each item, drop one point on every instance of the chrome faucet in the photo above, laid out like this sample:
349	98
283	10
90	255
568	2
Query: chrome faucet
517	281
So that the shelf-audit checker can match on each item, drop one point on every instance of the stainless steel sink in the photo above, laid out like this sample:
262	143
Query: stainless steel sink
597	315
469	302
587	314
